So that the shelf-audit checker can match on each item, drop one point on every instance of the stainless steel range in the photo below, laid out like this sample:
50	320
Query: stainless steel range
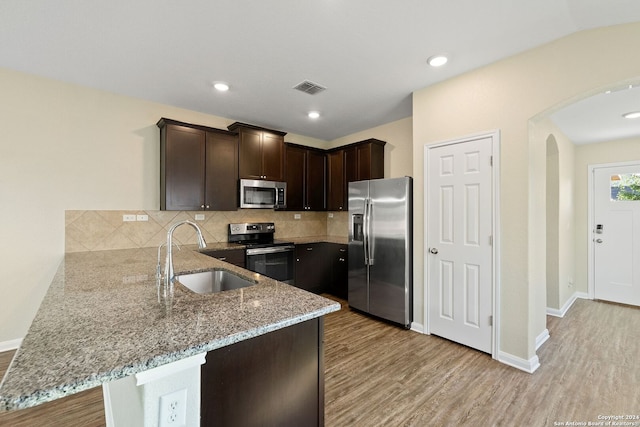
264	255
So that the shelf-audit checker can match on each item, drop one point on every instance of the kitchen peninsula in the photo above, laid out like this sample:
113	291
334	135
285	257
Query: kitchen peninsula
103	320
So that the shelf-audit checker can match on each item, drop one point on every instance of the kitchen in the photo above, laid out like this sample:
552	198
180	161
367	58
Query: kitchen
74	149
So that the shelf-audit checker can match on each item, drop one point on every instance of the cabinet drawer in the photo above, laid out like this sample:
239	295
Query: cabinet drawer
232	256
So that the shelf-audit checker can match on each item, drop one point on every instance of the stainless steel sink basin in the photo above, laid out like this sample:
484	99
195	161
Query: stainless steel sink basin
208	282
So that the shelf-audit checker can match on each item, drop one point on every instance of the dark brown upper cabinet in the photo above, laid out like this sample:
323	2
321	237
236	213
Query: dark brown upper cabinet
261	152
354	162
198	167
305	173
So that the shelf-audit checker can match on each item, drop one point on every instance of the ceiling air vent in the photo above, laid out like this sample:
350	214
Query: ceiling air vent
309	87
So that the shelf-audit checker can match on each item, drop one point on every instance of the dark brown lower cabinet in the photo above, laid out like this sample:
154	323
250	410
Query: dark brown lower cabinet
339	266
312	271
276	379
233	256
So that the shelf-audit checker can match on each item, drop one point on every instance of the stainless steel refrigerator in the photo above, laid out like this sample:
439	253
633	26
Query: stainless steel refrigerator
381	248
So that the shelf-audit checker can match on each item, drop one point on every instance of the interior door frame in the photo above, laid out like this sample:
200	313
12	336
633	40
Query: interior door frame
495	224
591	200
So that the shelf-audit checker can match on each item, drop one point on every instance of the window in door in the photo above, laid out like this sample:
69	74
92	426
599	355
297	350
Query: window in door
625	187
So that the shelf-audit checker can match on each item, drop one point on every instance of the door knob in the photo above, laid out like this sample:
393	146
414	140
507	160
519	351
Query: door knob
433	250
598	240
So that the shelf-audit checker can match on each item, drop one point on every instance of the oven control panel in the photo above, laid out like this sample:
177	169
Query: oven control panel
252	228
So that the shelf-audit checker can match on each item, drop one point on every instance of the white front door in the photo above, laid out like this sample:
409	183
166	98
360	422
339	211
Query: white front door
459	254
616	233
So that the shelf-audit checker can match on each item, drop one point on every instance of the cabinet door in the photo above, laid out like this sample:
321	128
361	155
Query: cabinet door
250	144
312	269
182	169
315	181
370	161
350	165
272	157
295	175
272	380
339	270
335	181
221	172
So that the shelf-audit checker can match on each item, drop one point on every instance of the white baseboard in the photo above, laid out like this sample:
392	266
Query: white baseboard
528	366
567	305
542	338
10	345
417	327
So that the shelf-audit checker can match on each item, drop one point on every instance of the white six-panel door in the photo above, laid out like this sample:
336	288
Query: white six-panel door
616	237
459	242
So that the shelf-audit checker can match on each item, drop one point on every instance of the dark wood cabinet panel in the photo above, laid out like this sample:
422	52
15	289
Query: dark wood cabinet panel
273	156
232	256
221	177
336	181
198	167
312	272
339	269
261	152
360	160
250	147
315	180
305	173
271	380
370	159
182	165
294	176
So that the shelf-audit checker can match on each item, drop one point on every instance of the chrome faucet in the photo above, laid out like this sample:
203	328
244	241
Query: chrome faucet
169	277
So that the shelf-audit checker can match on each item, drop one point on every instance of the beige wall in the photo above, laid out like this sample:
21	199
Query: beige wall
505	96
624	150
560	222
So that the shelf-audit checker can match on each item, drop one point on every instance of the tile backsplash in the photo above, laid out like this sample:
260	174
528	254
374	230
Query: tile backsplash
103	230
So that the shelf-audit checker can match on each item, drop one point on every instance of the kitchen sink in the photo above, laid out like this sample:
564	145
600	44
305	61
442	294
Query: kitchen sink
208	282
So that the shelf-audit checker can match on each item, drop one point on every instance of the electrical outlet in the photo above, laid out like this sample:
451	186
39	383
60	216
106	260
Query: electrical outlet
297	216
128	218
330	214
199	217
173	409
142	217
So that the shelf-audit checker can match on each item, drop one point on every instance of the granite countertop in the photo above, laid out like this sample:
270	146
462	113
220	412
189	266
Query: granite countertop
102	319
317	239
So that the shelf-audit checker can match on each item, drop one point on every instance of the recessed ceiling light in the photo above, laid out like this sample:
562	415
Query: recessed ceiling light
437	60
313	114
221	86
632	115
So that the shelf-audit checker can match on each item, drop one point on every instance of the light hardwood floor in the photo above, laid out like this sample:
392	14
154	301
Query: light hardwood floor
381	375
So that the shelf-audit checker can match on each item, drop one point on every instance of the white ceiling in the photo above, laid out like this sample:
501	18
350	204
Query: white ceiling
370	54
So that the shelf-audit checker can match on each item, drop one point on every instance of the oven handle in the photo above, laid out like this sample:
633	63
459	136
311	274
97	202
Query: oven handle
272	250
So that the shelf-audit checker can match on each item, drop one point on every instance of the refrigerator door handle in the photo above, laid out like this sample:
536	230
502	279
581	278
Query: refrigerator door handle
365	231
370	243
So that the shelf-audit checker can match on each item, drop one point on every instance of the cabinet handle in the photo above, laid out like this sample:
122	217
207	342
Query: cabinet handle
341	259
343	250
309	249
201	206
297	259
224	258
207	206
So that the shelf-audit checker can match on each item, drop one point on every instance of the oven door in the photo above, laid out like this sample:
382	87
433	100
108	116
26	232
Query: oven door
275	262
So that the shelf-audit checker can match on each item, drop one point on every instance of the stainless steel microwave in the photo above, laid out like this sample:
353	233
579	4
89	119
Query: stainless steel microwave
263	194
